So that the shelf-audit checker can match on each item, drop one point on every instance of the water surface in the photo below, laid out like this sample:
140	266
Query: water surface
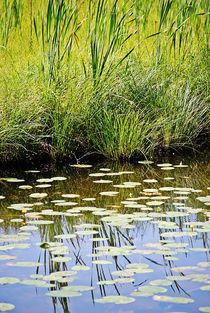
138	232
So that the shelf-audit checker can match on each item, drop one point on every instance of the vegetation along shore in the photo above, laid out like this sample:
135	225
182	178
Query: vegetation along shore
120	78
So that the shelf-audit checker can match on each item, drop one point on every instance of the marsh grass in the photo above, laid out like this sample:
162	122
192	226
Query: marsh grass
184	117
68	114
119	135
22	126
113	76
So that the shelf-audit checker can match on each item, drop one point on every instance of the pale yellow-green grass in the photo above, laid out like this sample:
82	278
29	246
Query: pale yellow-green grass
119	77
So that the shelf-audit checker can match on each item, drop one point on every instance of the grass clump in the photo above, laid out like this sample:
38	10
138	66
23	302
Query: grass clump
184	117
22	118
119	134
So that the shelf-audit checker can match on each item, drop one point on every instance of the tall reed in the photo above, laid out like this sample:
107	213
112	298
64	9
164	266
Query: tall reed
56	26
109	34
10	18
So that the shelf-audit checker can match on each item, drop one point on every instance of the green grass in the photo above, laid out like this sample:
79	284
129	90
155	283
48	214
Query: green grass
120	78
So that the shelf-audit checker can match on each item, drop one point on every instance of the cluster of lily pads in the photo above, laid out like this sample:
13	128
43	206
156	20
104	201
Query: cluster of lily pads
124	208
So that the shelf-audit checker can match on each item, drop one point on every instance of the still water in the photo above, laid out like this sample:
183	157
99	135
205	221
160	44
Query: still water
109	238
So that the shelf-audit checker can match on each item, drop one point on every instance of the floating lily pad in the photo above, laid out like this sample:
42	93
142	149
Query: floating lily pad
124	280
205	309
15	246
80	268
105	169
152	289
115	300
88	199
9	280
6	307
40	222
32	171
106	282
102	262
27	264
160	282
16	220
29	228
43	186
63	293
69	203
70	195
78	288
60	259
181	300
109	193
65	236
152	181
204	264
97	174
4	257
178	278
102	181
38	195
81	165
36	283
154	203
86	232
178	234
205	288
146	162
14	180
58	178
55	276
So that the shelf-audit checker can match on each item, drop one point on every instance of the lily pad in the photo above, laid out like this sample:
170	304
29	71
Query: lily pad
80	268
81	165
63	293
6	307
9	280
38	195
102	262
181	300
25	187
152	289
115	300
27	264
36	283
205	309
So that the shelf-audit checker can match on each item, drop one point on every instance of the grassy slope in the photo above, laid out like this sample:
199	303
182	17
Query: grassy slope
121	78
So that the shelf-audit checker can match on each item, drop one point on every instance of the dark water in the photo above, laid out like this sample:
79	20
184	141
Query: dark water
145	232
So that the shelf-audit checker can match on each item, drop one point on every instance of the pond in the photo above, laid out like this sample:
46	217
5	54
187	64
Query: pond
117	238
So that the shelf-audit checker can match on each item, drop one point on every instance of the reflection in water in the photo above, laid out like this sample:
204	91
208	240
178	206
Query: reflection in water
135	237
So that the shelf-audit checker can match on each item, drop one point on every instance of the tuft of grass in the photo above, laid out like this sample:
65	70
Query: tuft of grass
22	119
117	128
184	117
68	114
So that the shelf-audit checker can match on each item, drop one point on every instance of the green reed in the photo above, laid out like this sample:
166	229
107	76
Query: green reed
108	35
10	18
56	27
